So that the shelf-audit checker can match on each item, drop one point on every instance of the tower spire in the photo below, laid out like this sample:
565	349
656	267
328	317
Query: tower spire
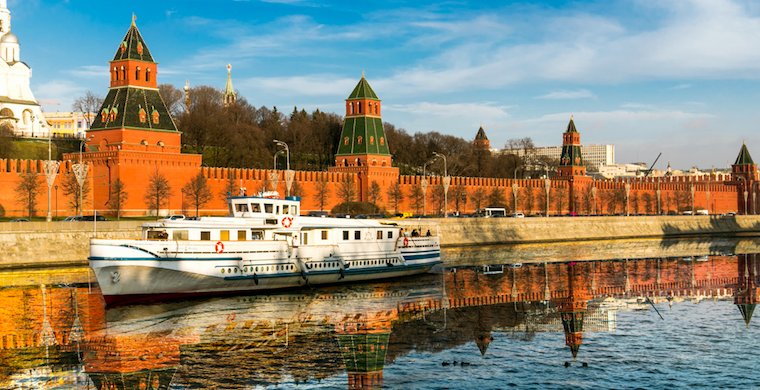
230	97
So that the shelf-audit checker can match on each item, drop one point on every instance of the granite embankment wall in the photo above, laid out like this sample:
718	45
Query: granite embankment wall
40	244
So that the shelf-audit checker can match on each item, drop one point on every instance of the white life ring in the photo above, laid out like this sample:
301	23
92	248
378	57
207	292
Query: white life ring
219	247
287	222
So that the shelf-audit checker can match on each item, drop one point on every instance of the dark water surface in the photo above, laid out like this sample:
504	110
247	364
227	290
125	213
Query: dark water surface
546	323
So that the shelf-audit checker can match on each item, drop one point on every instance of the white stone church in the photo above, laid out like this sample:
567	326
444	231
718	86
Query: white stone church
19	111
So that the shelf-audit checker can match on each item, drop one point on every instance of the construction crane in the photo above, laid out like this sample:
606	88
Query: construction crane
649	171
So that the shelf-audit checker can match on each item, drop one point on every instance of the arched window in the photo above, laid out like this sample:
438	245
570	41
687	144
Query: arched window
345	141
351	108
114	74
377	112
137	73
144	142
155	117
147	75
359	140
142	115
123	73
345	162
382	141
371	140
359	107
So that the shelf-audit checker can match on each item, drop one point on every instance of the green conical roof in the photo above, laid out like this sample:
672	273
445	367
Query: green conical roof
747	310
229	90
481	135
744	158
133	47
571	126
574	350
121	109
363	91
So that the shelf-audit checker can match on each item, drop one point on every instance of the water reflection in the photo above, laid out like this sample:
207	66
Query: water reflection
56	332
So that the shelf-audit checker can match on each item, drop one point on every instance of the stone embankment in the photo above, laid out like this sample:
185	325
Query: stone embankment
40	244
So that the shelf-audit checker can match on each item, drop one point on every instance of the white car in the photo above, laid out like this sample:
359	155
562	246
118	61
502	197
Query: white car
175	217
517	215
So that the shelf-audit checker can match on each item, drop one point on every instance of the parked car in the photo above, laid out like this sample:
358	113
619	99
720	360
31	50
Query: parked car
342	215
73	218
517	215
92	218
322	214
20	220
174	217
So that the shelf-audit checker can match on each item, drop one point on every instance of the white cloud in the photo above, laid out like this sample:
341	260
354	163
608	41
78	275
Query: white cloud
313	85
62	91
579	94
621	115
91	72
680	86
474	110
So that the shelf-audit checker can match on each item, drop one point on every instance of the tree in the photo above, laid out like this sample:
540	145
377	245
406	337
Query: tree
635	202
560	196
616	199
89	105
158	192
322	192
416	198
70	188
197	192
375	194
459	192
438	199
28	188
230	189
479	196
297	190
496	198
117	196
528	200
649	202
6	141
395	195
347	189
588	199
173	98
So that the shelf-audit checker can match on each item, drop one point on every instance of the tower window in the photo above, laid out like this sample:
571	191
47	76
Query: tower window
359	140
382	141
123	73
359	106
147	75
351	108
371	140
345	141
155	116
137	73
139	48
142	115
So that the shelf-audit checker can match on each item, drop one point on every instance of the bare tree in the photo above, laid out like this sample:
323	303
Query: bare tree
528	200
70	188
560	196
117	196
395	195
322	192
649	201
230	189
173	98
347	189
416	198
375	194
89	105
460	196
158	192
479	196
197	192
28	188
496	197
297	190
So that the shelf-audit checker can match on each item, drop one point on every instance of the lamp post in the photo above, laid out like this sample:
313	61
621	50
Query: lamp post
182	200
56	202
51	169
80	171
424	185
446	182
289	175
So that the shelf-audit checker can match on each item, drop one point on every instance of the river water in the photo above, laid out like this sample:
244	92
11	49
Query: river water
644	314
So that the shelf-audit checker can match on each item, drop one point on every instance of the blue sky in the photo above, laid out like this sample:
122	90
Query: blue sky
679	77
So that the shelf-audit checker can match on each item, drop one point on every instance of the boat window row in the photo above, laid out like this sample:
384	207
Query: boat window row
358	234
268	208
205	235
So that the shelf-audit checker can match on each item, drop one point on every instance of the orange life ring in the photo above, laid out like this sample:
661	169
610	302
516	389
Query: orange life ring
219	247
287	221
406	241
231	317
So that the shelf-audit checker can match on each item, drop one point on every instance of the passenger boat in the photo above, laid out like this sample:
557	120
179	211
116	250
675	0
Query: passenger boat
263	244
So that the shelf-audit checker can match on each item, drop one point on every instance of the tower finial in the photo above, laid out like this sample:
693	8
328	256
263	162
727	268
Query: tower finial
571	116
229	68
134	17
363	73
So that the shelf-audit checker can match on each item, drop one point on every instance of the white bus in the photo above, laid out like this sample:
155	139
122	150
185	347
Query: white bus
491	212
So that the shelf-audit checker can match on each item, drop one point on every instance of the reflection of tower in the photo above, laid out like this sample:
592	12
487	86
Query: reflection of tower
746	296
573	307
363	343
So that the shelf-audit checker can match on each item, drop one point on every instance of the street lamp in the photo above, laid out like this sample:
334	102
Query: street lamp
51	169
279	152
80	171
424	185
289	175
56	202
446	182
182	200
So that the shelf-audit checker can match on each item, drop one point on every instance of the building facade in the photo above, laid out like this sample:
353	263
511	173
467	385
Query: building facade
19	111
69	124
593	154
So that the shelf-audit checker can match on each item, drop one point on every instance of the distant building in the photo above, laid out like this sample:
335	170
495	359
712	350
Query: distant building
69	124
19	111
481	141
594	155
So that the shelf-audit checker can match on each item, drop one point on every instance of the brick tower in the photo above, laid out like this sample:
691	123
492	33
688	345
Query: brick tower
363	147
573	307
744	168
481	141
747	293
571	160
133	134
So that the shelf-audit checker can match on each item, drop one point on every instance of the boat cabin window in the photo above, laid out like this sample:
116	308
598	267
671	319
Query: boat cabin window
277	209
224	235
257	235
179	235
241	208
357	235
379	234
390	233
268	208
284	209
305	239
205	236
154	234
256	207
293	210
241	235
345	234
324	234
281	236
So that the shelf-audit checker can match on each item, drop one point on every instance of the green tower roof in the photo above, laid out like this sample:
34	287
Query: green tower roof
228	89
571	126
122	109
747	310
133	47
481	136
363	91
744	158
